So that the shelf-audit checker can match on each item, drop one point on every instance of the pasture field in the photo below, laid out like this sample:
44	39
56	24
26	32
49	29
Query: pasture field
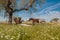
34	32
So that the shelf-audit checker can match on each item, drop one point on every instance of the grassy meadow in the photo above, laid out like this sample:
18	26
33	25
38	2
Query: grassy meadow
46	31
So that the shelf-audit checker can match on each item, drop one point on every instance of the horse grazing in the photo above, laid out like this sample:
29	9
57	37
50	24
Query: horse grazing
17	20
34	20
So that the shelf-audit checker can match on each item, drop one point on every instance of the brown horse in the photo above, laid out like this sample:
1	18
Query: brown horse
34	20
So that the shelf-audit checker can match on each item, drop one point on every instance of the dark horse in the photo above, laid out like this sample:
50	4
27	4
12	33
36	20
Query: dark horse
18	20
34	20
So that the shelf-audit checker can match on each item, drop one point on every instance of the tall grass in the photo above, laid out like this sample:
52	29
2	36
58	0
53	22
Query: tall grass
34	32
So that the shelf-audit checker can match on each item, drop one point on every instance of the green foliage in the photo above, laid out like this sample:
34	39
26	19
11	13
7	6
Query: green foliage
55	19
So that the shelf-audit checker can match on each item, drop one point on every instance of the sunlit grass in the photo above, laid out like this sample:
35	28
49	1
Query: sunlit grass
34	32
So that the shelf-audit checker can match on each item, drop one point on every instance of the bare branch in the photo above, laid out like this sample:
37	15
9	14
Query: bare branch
28	6
16	10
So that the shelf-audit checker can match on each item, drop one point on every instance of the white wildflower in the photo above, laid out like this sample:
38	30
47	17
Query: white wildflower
18	35
57	37
44	34
52	38
7	36
12	38
37	31
25	33
1	36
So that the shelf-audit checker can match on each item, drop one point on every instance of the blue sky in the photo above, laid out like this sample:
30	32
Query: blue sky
50	9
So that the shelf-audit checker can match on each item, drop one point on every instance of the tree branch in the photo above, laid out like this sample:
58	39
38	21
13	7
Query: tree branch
28	6
16	10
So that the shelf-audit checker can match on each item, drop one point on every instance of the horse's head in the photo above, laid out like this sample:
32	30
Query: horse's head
30	19
19	18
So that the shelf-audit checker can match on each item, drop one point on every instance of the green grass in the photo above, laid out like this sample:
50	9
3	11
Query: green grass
34	32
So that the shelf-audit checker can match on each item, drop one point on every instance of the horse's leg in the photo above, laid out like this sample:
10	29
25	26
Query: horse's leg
33	22
38	22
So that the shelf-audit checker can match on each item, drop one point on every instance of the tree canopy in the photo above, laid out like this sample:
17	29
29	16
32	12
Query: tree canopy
11	6
22	3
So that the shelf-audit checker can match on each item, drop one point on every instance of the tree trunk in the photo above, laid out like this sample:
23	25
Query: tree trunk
10	18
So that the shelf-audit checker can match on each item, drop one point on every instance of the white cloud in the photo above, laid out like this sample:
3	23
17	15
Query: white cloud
50	8
50	15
